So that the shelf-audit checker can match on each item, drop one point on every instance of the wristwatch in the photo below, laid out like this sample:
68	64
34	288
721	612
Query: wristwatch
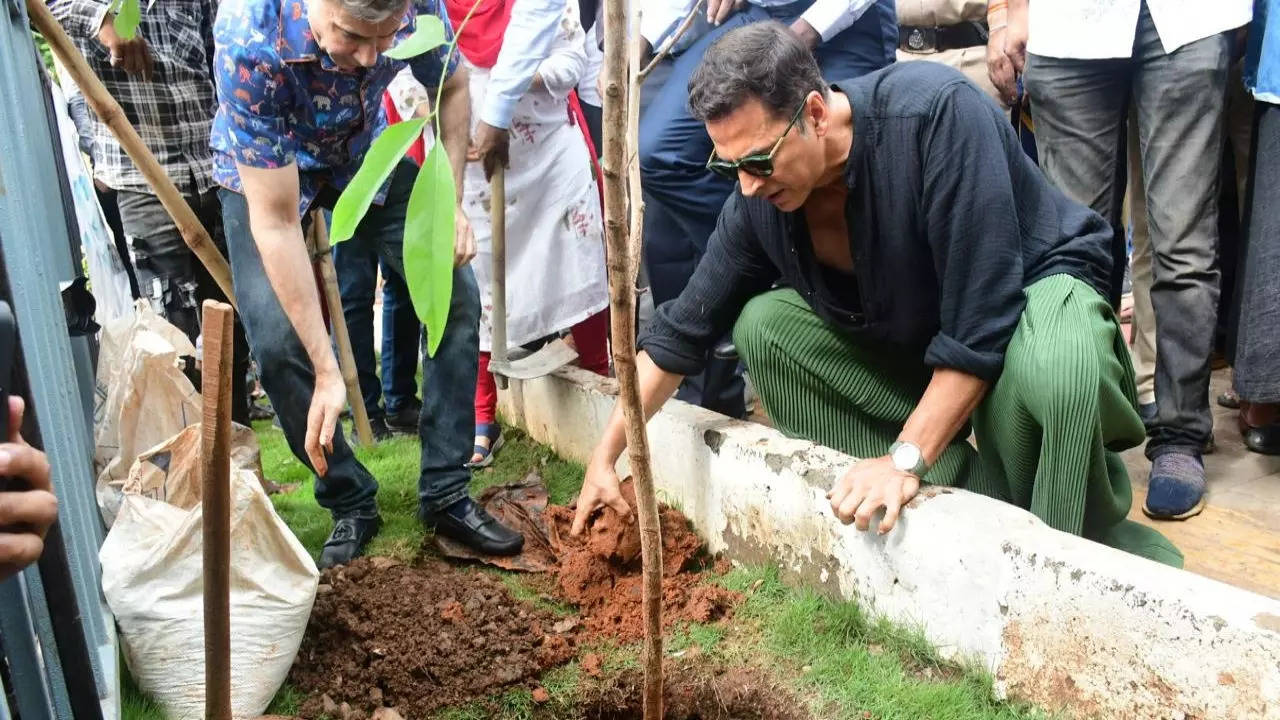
908	458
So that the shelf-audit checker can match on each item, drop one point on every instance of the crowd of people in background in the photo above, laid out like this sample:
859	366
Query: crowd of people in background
1162	117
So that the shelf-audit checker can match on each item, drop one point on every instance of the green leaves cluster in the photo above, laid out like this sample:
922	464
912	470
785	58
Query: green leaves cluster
429	220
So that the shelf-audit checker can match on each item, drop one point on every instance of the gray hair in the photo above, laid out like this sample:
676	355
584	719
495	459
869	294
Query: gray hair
764	61
372	11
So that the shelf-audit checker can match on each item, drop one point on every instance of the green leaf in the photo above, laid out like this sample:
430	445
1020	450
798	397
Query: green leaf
428	35
374	170
128	15
428	244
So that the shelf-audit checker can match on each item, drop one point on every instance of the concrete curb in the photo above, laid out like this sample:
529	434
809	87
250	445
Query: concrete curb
1060	621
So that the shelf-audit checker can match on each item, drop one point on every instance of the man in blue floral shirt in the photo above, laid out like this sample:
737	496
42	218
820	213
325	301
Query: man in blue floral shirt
299	88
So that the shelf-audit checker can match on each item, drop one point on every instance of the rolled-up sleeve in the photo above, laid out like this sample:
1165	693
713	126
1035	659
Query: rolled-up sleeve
974	236
252	104
734	269
82	19
830	17
435	66
526	43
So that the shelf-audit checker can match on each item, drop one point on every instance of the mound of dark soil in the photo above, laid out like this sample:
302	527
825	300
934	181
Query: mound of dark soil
417	638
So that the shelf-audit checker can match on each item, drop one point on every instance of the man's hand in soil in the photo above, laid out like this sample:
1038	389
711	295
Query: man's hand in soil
322	419
491	147
867	487
27	510
132	56
599	489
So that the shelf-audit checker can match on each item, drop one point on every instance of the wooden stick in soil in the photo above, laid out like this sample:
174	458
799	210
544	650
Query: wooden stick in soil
622	300
318	244
215	509
109	111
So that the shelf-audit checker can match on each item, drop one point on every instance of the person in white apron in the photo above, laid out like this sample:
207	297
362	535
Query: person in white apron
555	234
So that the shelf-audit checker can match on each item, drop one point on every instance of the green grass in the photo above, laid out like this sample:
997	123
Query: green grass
836	658
850	664
395	464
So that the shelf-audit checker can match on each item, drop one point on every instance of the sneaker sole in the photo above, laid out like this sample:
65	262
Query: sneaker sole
1195	510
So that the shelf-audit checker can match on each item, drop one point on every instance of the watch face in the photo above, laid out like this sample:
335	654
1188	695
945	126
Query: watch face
906	457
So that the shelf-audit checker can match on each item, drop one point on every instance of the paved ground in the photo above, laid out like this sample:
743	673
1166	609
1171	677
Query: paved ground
1237	538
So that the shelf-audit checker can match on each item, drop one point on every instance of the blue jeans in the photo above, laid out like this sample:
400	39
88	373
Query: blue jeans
683	200
446	426
357	266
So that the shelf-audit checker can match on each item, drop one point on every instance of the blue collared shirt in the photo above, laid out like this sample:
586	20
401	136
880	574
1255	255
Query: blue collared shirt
282	100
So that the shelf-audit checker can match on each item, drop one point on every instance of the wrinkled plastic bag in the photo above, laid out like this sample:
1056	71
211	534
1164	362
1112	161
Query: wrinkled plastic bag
144	398
152	563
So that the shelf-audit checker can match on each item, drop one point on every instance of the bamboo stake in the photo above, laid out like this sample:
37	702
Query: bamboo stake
498	253
318	244
215	509
622	299
109	111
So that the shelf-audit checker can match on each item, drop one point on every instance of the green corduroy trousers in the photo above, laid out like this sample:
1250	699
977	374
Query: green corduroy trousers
1047	433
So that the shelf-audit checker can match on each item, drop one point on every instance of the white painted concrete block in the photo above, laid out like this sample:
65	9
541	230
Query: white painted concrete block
1060	621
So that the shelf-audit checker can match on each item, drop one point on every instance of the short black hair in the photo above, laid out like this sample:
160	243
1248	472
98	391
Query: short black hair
763	60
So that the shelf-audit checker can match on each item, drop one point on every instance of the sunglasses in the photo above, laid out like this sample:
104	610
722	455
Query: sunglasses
759	165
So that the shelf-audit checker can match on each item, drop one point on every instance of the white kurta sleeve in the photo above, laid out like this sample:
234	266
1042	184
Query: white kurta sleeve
526	43
830	17
564	67
660	19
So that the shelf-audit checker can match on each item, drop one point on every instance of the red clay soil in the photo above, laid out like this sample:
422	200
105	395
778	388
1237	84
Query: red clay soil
601	573
422	637
418	638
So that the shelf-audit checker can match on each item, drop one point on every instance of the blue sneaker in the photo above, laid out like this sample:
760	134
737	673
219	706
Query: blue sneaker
1176	487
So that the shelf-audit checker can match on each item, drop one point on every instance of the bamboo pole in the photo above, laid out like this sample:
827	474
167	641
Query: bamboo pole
318	243
621	250
215	509
498	253
109	111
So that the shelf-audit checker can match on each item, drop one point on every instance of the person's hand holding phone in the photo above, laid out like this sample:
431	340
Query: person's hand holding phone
27	504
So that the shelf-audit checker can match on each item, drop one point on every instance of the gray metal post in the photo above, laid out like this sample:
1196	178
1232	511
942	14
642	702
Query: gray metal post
37	258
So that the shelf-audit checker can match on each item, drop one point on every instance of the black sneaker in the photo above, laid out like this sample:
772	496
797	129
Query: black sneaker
380	430
347	541
405	420
469	524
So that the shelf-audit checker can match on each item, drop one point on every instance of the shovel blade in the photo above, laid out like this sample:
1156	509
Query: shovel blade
548	358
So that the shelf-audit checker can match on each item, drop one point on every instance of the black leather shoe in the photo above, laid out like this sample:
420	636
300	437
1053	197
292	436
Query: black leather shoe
405	420
469	524
347	541
1264	439
379	428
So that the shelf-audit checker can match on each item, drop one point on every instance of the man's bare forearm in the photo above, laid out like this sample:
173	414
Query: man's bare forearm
455	123
656	387
288	268
948	401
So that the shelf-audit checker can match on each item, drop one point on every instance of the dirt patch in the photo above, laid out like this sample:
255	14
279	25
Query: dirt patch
695	692
601	574
418	638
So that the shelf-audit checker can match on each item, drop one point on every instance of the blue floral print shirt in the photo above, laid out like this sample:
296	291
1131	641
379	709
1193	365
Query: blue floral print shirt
282	100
